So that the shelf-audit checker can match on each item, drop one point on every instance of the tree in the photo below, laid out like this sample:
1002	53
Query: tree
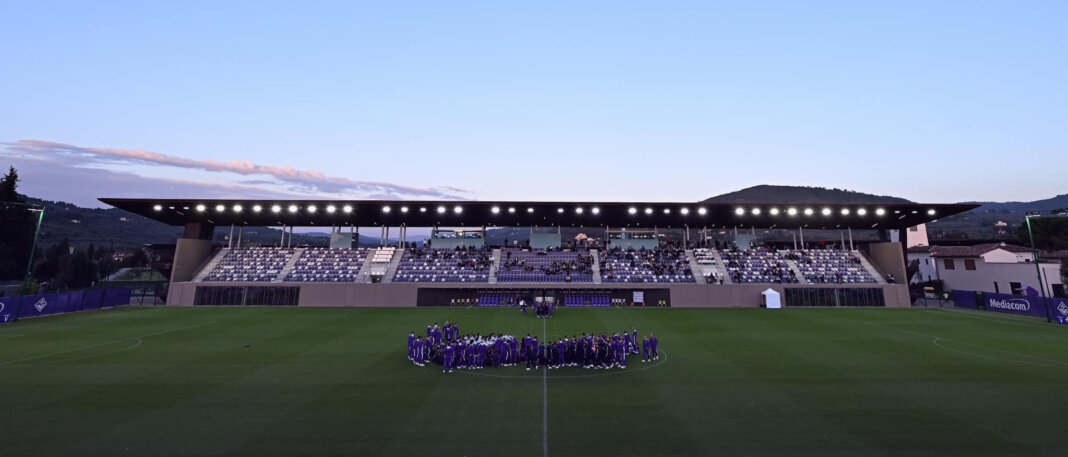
83	272
137	258
18	226
9	186
1049	232
1064	270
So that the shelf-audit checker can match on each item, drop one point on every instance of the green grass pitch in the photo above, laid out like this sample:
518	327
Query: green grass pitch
318	381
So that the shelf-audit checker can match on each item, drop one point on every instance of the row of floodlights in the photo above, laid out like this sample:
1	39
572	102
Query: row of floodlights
824	211
331	209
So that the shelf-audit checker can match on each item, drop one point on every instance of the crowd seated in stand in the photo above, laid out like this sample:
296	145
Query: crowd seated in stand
822	266
319	264
500	299
761	265
573	300
444	265
661	265
253	264
518	265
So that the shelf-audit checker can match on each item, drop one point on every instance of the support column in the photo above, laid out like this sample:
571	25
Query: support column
240	232
850	229
230	241
801	233
191	250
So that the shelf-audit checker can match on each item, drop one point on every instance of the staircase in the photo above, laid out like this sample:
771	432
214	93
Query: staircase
596	266
495	264
698	272
797	271
290	263
206	268
394	263
721	267
874	272
365	270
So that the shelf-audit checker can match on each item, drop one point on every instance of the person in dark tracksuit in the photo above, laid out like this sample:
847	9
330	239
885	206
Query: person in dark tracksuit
653	341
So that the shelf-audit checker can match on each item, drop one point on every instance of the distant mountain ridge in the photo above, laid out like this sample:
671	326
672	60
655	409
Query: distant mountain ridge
766	193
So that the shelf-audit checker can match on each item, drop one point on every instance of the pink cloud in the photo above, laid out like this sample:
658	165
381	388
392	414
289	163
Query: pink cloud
308	180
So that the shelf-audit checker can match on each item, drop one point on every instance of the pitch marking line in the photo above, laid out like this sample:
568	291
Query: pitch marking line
18	363
544	402
1049	362
935	340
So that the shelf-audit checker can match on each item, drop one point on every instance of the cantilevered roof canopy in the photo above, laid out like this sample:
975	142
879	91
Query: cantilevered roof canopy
366	213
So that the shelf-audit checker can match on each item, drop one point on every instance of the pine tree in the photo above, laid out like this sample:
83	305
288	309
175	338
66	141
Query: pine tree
18	226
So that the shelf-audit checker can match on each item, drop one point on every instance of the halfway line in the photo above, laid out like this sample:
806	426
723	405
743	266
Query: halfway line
544	402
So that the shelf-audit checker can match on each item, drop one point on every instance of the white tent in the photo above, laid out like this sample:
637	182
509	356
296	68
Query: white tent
772	299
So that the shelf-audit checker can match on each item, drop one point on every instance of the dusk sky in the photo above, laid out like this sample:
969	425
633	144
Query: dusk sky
659	101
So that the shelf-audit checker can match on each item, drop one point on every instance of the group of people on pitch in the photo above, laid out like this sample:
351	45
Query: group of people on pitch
452	351
544	309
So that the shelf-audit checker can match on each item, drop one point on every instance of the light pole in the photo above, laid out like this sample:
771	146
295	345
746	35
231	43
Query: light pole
36	232
40	216
1034	254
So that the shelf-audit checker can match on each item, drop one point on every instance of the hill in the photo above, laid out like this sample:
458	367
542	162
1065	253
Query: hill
113	227
983	222
766	193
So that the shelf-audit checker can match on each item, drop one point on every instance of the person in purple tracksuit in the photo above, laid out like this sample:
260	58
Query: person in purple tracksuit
634	338
561	349
645	348
513	351
654	342
411	345
417	351
472	356
626	341
534	351
447	360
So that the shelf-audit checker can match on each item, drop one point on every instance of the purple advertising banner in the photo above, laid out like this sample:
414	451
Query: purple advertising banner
9	309
71	302
93	299
1058	307
37	305
116	297
20	307
1014	304
964	299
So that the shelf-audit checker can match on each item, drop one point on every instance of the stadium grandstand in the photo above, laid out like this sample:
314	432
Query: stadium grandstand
632	263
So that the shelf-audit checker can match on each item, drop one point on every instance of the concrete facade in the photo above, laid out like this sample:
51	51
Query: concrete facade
406	294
